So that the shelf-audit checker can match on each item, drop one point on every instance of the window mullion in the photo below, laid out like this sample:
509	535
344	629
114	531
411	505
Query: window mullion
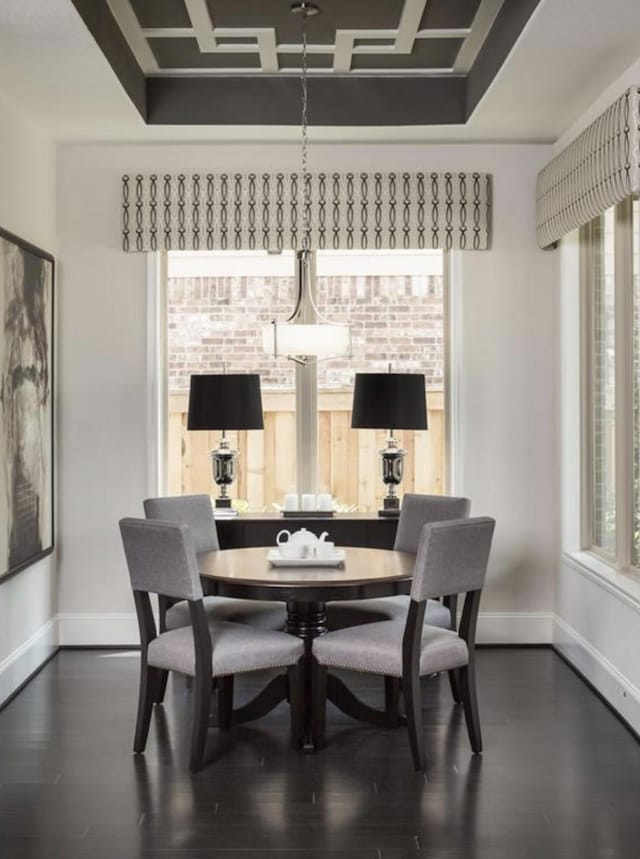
624	383
586	389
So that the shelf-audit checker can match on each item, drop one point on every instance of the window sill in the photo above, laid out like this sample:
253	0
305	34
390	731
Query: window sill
622	583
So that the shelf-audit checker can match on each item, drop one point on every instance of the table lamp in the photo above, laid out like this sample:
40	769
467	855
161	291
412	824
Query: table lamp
390	401
225	402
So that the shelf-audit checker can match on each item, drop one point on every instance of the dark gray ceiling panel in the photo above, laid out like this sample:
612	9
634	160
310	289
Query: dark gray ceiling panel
334	14
426	54
336	101
183	53
161	13
314	61
443	14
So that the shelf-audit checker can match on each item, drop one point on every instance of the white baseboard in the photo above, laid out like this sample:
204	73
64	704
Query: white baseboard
98	629
27	658
617	690
515	628
121	629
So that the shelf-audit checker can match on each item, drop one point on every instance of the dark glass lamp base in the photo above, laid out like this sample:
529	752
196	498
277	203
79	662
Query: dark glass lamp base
391	508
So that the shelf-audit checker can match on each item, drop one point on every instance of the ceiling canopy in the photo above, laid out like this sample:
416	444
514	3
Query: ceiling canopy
371	62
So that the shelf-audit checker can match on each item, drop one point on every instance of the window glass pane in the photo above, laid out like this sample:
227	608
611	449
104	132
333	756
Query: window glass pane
635	548
394	302
603	386
218	303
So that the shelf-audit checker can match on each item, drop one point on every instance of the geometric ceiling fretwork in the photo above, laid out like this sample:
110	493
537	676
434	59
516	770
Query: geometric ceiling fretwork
444	43
183	36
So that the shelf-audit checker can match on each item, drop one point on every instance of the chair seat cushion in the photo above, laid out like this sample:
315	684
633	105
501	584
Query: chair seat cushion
376	648
236	648
264	615
351	613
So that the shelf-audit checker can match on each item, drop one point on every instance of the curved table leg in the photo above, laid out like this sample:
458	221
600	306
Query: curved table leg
344	699
264	702
306	620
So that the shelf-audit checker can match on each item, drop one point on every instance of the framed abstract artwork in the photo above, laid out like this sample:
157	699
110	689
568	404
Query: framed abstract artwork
26	404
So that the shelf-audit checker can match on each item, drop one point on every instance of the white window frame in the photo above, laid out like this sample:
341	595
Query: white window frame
623	344
157	375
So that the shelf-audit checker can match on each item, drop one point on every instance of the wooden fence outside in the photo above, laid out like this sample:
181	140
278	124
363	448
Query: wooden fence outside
349	463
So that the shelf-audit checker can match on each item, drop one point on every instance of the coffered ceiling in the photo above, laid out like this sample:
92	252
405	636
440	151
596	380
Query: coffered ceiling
371	62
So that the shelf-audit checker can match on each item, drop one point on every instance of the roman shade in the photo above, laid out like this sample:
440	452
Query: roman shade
264	211
599	169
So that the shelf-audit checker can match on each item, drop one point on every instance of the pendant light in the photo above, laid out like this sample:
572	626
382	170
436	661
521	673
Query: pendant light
307	335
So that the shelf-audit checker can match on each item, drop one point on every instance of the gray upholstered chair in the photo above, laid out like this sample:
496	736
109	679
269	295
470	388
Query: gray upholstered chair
417	510
196	512
452	559
162	560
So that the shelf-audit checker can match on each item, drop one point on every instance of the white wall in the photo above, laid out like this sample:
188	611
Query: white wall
507	377
27	208
597	624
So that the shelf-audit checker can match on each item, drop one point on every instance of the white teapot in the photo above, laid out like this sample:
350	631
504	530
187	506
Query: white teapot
303	540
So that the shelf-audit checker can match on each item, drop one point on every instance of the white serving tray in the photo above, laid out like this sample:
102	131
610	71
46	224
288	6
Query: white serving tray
275	559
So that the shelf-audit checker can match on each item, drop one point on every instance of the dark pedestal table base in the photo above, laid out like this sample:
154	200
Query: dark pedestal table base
367	573
307	620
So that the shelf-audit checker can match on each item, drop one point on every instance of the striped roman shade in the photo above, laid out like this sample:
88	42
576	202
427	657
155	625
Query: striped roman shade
264	211
599	169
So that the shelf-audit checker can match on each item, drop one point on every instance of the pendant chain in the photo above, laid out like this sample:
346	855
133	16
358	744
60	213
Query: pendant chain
306	202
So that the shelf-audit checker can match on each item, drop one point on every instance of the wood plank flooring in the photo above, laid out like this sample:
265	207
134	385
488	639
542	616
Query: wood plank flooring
560	776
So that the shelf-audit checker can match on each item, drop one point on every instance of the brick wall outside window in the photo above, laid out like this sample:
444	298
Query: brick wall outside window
395	318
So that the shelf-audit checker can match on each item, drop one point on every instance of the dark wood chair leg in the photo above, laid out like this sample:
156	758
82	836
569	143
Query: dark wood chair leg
149	679
163	676
392	700
470	704
454	682
201	708
225	702
413	704
318	704
296	702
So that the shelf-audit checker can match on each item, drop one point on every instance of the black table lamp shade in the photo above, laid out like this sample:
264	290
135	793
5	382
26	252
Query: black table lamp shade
389	401
225	402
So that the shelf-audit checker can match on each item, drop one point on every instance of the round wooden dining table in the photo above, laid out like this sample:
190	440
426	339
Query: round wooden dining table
248	574
306	590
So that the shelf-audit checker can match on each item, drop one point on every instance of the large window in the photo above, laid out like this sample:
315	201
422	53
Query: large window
611	278
217	304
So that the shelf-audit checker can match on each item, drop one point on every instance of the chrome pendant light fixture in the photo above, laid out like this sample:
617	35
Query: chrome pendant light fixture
307	335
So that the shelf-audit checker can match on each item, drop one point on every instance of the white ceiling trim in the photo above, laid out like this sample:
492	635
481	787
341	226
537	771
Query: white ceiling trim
412	12
480	27
198	12
126	19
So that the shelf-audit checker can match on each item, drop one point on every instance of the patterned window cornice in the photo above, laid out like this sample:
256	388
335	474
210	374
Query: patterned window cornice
599	169
263	211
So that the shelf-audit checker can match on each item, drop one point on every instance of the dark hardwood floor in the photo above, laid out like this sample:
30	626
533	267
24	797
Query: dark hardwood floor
560	776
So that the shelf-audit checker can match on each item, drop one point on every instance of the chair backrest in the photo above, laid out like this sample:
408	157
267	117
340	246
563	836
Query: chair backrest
192	510
161	558
452	557
417	510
